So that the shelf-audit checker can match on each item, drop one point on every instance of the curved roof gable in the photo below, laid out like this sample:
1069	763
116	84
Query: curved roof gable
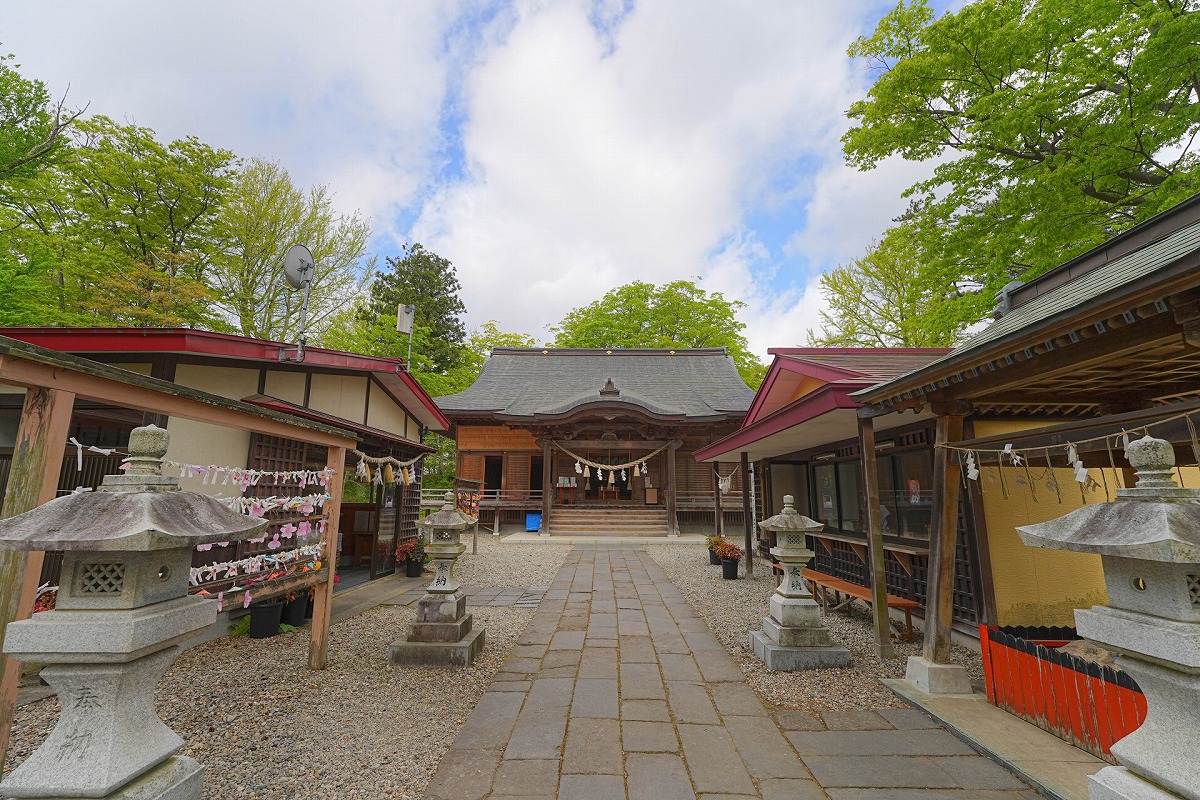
687	384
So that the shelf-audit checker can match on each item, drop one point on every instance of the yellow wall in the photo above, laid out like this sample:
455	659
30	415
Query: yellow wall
287	386
1035	586
204	443
341	395
224	381
807	385
383	413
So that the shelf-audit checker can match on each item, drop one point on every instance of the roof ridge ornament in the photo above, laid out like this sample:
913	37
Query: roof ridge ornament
610	389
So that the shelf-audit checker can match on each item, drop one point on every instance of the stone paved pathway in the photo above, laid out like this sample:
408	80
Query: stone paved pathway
617	689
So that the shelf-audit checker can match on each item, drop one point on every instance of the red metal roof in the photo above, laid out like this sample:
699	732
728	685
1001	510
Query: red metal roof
389	371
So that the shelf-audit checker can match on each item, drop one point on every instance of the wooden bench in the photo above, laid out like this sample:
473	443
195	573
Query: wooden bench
829	592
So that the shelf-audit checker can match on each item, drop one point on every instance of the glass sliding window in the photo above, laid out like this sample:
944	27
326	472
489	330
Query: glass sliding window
914	492
850	495
889	516
825	503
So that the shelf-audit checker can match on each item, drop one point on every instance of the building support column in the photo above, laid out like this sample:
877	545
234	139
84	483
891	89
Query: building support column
718	512
547	485
876	562
32	480
747	516
672	518
932	672
318	642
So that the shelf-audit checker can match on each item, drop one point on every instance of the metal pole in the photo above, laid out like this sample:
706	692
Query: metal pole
747	514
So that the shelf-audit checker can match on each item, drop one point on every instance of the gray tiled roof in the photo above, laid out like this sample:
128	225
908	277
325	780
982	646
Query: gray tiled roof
524	383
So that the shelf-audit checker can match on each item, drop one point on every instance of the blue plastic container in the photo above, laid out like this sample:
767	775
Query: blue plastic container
533	521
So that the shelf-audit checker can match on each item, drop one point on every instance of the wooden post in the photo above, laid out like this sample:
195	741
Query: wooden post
672	521
32	480
939	602
747	516
547	485
718	513
876	562
318	643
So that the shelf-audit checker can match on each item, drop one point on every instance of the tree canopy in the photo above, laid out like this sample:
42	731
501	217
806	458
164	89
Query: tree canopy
1052	125
31	127
677	314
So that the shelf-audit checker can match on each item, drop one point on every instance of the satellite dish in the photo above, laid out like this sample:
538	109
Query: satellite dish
298	266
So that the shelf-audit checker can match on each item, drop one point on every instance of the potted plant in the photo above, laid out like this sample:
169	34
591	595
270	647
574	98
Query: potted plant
412	553
712	542
264	618
294	606
730	554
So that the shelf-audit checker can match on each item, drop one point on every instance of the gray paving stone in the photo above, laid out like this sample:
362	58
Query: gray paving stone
855	720
765	751
908	718
690	703
567	640
978	772
679	667
561	658
624	604
591	787
717	667
526	666
928	794
537	735
594	747
598	662
602	641
884	772
463	775
645	710
636	650
648	737
712	760
509	685
491	721
526	779
790	789
528	651
658	776
737	699
798	721
641	682
877	743
671	643
595	697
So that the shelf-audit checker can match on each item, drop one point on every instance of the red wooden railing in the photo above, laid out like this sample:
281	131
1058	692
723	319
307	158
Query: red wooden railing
1089	705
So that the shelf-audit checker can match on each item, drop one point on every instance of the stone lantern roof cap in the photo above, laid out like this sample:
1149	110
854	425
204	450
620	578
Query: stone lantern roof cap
1154	521
448	518
790	519
139	511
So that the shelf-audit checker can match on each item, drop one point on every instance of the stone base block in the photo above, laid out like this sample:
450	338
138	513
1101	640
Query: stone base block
796	659
934	678
177	778
440	631
441	607
795	612
1118	783
796	637
437	654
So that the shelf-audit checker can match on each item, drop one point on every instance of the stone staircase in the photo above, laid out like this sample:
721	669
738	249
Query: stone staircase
610	521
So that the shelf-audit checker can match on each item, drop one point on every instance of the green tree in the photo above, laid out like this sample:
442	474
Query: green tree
427	281
676	314
32	128
265	213
891	297
1052	124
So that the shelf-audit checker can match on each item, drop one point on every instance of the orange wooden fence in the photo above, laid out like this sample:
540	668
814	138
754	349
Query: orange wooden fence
1089	705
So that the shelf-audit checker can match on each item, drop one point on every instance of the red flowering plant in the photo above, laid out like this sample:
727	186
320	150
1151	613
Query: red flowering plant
406	550
727	551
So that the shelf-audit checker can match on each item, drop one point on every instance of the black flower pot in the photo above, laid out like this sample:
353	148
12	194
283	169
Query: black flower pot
264	619
413	568
712	557
729	569
309	603
293	612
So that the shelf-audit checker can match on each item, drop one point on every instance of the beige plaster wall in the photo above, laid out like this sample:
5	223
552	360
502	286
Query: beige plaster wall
224	381
204	443
383	413
341	395
287	386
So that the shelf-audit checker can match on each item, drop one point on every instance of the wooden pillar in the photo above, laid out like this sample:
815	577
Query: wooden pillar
747	516
32	480
939	601
547	485
318	643
718	512
672	521
876	562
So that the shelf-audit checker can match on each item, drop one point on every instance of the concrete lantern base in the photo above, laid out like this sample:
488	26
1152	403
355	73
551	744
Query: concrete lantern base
1118	783
933	678
403	653
796	659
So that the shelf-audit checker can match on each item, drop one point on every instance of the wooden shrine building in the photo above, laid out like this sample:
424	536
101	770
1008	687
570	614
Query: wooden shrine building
598	440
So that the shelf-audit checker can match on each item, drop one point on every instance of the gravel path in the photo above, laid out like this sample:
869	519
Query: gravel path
269	729
733	608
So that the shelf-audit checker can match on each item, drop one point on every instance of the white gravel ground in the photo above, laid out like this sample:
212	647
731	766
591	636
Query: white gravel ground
734	608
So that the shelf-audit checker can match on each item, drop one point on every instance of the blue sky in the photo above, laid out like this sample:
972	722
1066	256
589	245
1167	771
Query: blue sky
551	149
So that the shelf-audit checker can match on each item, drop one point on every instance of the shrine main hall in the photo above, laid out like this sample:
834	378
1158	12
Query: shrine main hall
600	441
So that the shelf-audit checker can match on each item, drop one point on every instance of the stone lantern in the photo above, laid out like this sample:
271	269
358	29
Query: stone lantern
122	610
442	635
1149	543
794	636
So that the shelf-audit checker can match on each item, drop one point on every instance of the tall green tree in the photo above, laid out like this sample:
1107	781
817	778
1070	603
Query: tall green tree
32	128
427	281
1053	124
263	214
676	314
